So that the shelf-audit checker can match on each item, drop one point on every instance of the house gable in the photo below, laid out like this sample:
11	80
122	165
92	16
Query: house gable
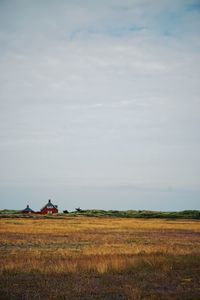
49	208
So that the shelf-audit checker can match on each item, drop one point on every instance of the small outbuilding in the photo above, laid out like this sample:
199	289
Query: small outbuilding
27	210
49	208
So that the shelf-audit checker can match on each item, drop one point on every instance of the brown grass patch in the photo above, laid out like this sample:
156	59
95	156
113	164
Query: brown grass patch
116	258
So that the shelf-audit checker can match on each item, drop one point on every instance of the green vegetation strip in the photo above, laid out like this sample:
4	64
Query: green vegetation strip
186	214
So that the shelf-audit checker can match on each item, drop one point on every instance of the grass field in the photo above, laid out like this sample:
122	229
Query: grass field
99	258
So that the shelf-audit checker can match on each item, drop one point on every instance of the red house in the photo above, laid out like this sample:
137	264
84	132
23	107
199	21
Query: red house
49	208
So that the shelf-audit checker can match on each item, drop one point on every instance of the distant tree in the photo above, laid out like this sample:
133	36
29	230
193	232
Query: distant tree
65	211
78	209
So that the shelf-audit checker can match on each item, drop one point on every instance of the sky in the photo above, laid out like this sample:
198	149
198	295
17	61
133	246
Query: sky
99	104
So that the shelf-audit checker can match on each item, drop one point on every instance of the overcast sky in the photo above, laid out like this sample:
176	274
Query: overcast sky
99	104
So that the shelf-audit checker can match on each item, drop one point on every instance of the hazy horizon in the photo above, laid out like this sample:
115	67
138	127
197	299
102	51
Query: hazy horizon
99	104
97	198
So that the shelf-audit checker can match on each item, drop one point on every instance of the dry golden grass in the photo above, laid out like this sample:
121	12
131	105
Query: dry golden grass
81	246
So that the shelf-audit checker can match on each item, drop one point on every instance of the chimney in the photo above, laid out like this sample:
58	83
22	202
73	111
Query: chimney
27	206
49	200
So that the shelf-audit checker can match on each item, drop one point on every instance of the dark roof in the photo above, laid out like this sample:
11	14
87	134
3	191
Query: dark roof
27	209
50	205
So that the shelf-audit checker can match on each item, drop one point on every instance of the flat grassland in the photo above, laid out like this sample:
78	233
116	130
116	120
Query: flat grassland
99	258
